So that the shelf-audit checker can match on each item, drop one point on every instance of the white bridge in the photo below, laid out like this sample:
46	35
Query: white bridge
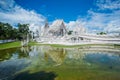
81	39
94	38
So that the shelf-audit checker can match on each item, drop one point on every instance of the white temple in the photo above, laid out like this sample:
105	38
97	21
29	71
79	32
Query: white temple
79	29
58	33
58	28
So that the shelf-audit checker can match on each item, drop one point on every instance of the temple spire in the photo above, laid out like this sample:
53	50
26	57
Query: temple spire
46	28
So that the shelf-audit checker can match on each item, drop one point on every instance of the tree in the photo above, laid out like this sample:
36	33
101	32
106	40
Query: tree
70	32
15	34
101	33
5	30
1	30
8	32
23	30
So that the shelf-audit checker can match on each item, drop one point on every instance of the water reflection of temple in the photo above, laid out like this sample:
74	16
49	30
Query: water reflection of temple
56	54
59	55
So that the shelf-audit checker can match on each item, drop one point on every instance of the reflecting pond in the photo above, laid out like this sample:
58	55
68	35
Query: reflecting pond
60	63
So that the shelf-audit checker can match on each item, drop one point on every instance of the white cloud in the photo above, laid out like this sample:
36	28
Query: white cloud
12	13
107	21
6	4
97	21
101	20
108	4
113	26
77	23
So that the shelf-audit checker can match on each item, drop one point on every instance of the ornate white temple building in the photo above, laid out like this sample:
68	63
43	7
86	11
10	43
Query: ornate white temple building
58	28
57	32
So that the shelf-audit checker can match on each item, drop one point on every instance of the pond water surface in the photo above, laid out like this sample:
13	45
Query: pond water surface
60	63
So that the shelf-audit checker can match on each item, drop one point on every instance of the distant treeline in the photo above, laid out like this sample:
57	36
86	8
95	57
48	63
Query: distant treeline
9	32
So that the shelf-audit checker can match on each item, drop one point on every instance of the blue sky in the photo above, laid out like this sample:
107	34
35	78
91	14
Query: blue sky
94	15
61	9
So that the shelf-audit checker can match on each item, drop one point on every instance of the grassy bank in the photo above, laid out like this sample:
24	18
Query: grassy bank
10	45
14	44
18	44
71	46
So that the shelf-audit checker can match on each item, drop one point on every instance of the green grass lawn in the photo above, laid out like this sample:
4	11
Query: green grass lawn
71	46
14	44
18	44
10	45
